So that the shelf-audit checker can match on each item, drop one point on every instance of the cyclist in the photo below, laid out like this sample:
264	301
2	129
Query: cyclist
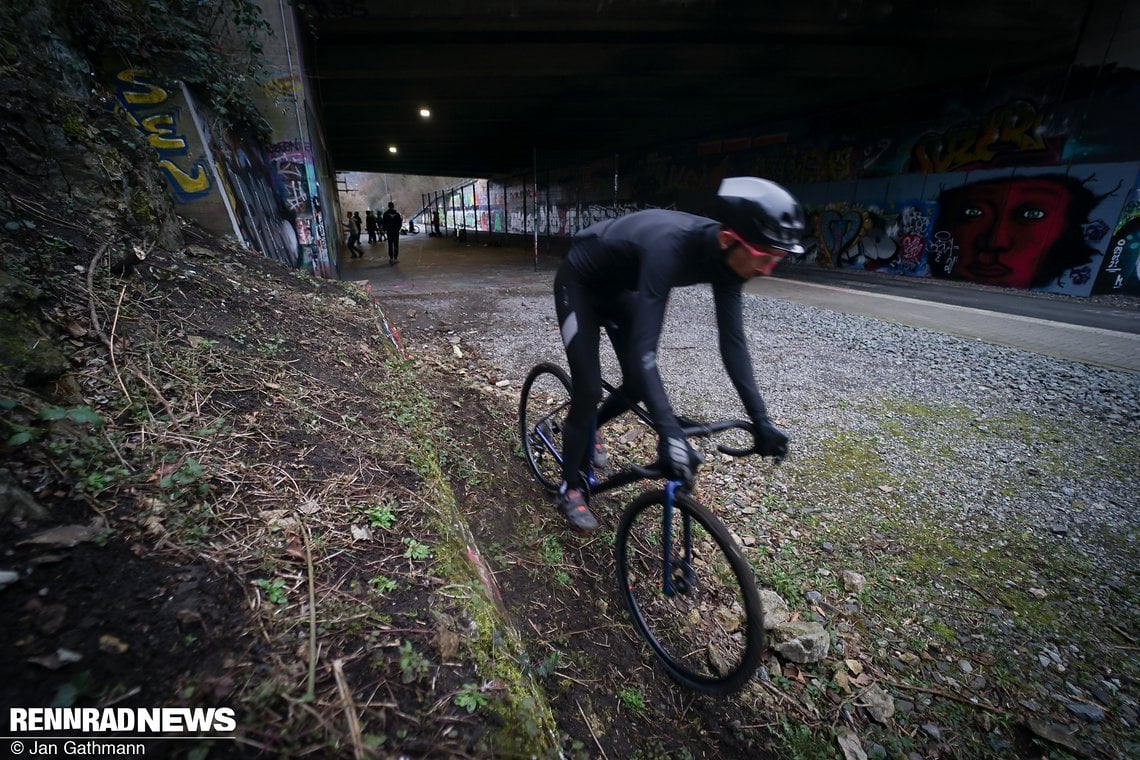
618	275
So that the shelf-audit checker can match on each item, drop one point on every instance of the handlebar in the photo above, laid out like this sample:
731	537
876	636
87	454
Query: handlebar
693	429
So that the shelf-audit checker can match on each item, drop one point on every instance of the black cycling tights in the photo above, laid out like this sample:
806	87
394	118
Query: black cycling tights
581	316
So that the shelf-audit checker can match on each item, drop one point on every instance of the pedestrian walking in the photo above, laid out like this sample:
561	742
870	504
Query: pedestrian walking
352	226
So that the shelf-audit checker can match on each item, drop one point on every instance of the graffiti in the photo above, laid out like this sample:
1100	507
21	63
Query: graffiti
915	221
281	87
812	164
837	228
561	221
664	172
943	250
1011	134
264	222
1017	232
1120	272
292	164
136	98
870	238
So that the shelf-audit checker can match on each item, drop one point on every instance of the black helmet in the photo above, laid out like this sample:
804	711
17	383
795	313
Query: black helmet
761	212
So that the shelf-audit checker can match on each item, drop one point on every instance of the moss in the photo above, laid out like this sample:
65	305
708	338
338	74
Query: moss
142	207
73	127
27	355
527	725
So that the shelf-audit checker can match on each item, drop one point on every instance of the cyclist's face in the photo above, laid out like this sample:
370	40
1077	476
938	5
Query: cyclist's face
1003	230
746	260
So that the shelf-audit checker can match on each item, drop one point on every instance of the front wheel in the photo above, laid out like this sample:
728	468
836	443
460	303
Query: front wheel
543	406
707	627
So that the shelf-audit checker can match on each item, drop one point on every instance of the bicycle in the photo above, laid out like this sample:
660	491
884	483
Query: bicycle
690	593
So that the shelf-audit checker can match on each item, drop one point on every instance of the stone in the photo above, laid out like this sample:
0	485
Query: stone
800	641
879	704
775	609
853	582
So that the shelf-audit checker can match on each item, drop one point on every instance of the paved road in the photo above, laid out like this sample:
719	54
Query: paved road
1083	330
1122	317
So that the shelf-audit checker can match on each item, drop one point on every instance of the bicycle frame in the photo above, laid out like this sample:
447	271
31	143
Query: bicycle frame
636	473
667	543
650	539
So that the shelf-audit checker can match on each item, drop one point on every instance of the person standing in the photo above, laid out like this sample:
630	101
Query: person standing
391	221
370	225
435	223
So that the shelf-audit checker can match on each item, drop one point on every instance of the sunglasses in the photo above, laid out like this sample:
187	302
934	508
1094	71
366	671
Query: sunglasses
766	260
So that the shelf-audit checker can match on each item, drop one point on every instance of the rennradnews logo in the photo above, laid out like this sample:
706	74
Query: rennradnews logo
136	720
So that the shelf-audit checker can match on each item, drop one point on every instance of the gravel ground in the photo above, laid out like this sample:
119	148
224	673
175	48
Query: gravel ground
989	491
1075	470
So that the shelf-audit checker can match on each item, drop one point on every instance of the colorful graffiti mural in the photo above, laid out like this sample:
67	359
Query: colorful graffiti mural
1021	184
1035	229
1013	134
293	173
1016	232
270	202
1120	272
151	109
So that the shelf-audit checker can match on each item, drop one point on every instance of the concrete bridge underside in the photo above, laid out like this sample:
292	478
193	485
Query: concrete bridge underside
567	81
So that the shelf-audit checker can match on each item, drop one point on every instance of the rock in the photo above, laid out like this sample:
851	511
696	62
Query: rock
801	641
730	620
1055	733
849	744
853	582
718	660
1093	713
879	704
17	505
775	609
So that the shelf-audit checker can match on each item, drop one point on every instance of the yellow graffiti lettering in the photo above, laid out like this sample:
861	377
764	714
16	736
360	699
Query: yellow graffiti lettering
841	163
161	132
150	94
961	148
814	163
1019	125
280	87
197	182
1016	126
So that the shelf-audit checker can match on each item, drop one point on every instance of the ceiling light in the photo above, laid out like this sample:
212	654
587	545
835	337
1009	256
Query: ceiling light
425	112
391	148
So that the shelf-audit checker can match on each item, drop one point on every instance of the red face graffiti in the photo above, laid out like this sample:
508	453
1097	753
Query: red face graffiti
1002	230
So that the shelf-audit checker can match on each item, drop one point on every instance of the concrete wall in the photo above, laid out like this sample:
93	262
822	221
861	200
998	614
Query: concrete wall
1029	182
273	199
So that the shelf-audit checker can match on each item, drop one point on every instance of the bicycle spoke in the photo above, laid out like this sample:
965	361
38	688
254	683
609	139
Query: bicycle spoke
705	629
542	411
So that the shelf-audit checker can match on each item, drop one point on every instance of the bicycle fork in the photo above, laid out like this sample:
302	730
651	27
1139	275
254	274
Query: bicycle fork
685	582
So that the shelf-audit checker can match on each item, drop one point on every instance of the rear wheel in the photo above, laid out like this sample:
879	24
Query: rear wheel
543	407
707	630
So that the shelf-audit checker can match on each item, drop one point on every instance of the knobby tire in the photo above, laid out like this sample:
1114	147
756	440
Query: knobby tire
709	637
